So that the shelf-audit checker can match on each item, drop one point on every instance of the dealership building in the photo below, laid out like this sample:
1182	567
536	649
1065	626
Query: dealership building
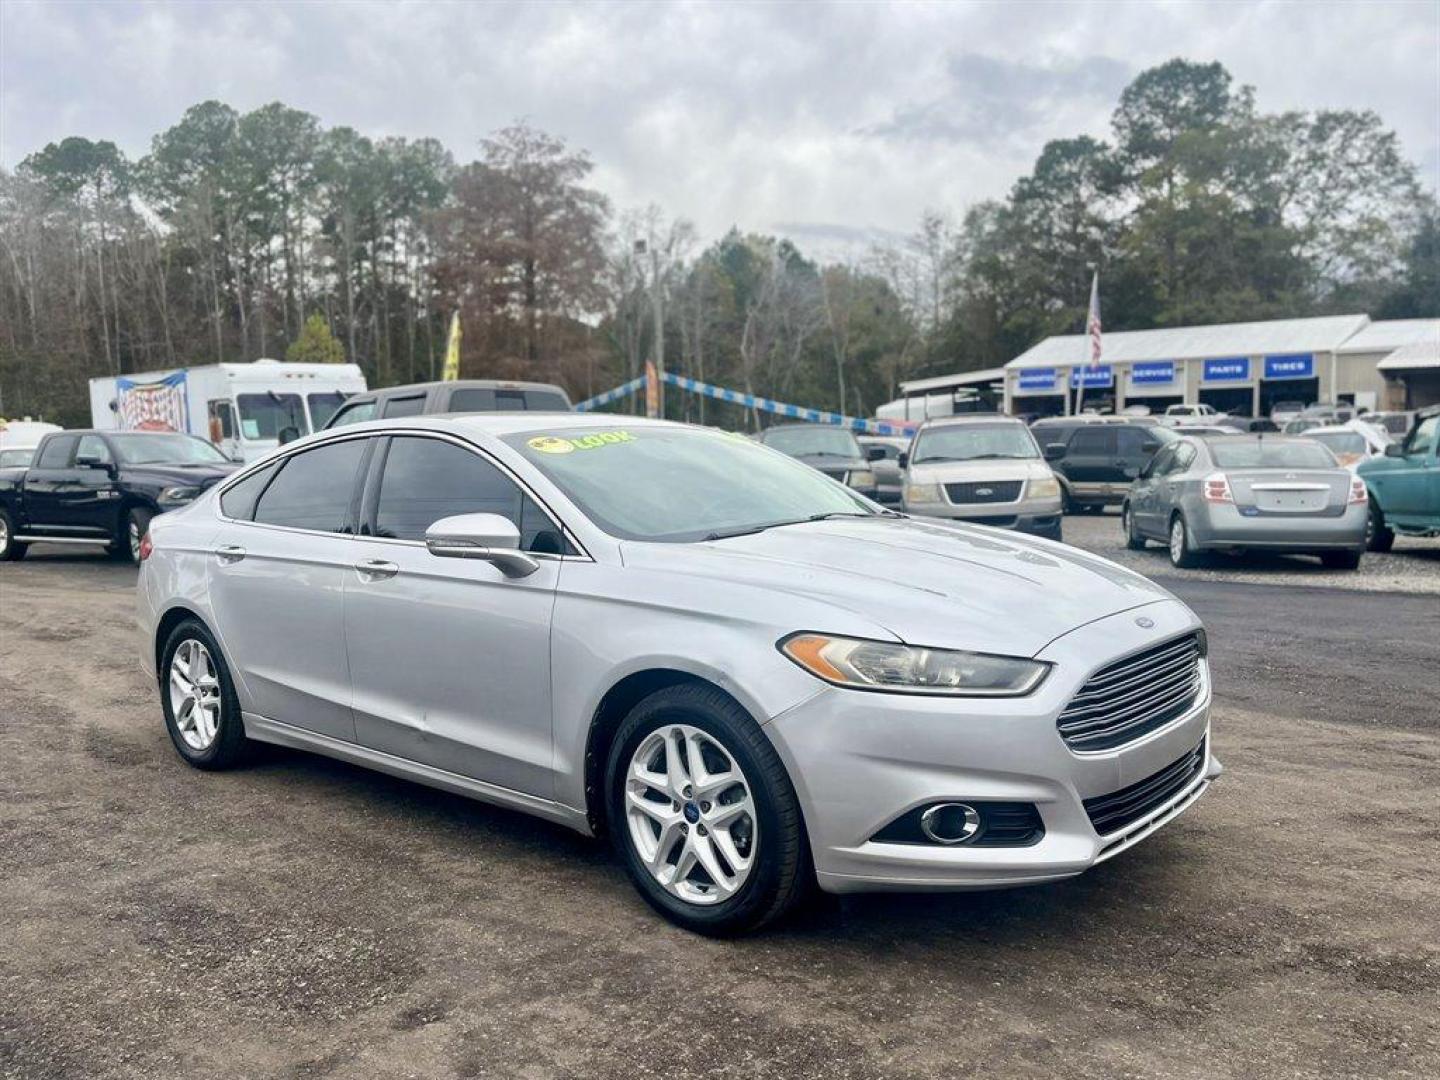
1243	368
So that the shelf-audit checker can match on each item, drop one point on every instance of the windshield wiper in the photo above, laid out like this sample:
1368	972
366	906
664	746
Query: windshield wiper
726	534
748	530
833	514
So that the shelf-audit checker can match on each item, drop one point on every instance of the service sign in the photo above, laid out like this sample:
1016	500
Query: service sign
1229	369
1158	371
1290	366
1040	378
1100	375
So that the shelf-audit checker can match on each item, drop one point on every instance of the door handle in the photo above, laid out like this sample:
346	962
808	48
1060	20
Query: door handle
376	570
229	553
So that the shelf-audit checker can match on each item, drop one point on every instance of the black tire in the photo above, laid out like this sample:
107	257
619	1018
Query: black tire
1378	537
1186	558
1068	505
133	523
11	550
782	873
230	747
1341	560
1133	540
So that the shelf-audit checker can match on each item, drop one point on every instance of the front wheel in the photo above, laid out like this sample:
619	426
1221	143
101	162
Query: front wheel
1377	536
1182	556
10	548
1133	540
703	814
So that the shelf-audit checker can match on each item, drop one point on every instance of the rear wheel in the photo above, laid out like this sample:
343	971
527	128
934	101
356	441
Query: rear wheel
1341	560
703	814
1377	536
1133	540
132	531
202	713
1182	555
10	548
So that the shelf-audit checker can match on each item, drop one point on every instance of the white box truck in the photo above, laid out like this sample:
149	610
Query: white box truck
244	409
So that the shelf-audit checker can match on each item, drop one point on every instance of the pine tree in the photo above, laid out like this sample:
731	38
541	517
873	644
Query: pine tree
316	344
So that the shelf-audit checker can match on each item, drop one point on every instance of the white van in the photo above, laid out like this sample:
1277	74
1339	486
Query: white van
244	409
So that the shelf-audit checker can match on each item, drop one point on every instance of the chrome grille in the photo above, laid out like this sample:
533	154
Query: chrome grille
995	491
1134	696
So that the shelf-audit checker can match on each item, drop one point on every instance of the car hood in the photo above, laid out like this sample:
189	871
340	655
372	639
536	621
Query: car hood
996	469
201	475
925	582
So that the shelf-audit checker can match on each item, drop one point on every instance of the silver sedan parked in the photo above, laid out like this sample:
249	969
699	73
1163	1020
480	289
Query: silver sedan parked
747	675
1239	492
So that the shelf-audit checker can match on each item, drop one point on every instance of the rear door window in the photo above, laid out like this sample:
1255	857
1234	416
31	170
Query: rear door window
1131	442
313	489
472	399
1093	441
410	405
238	501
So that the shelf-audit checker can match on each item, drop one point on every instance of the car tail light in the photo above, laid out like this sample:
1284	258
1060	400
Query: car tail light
145	547
1358	494
1217	488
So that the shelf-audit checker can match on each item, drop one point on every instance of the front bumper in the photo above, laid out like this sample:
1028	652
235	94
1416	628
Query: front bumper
1224	526
859	760
1040	517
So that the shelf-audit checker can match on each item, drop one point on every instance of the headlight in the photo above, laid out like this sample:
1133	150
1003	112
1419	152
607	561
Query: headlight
1047	488
862	478
923	493
905	669
179	494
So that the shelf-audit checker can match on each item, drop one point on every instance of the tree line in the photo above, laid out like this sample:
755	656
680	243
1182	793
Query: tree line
266	234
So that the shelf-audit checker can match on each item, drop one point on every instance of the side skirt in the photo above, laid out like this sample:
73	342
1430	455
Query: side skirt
273	731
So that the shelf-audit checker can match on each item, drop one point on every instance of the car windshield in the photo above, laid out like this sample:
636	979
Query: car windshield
680	484
323	406
264	416
1236	453
166	450
1340	442
813	441
974	442
15	456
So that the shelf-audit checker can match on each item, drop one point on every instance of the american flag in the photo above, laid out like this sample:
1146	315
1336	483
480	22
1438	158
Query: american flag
1092	322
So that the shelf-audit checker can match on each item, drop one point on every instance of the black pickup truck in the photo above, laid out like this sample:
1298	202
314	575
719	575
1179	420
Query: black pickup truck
102	488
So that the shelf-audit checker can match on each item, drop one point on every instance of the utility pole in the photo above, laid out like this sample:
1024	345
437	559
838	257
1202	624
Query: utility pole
657	302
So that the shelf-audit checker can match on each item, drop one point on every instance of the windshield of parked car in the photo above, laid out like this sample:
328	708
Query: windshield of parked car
264	416
813	442
1234	453
166	450
324	405
16	456
1340	442
973	442
682	484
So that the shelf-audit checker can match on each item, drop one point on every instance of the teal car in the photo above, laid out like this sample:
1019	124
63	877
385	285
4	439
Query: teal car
1404	485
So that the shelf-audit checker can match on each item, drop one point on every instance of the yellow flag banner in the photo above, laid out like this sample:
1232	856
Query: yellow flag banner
452	351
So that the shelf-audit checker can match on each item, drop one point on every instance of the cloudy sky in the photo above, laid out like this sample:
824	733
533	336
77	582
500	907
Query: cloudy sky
816	120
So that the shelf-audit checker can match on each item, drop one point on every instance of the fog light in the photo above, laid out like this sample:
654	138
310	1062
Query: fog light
950	823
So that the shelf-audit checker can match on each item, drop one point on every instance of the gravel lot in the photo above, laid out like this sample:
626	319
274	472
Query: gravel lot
304	918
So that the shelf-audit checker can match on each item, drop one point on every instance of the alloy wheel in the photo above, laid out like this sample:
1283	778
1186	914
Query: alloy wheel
4	536
195	694
1177	541
134	531
691	814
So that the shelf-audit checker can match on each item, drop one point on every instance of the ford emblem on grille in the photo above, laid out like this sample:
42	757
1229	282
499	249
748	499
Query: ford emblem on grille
984	491
1144	622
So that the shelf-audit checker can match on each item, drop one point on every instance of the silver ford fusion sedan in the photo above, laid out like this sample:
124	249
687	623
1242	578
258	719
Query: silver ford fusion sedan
747	675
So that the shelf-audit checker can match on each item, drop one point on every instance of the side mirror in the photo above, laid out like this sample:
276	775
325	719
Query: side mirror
489	537
1054	451
1149	446
289	434
875	453
904	459
1394	449
90	461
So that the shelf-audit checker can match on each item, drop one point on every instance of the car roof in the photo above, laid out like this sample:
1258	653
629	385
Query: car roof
499	424
970	418
461	384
